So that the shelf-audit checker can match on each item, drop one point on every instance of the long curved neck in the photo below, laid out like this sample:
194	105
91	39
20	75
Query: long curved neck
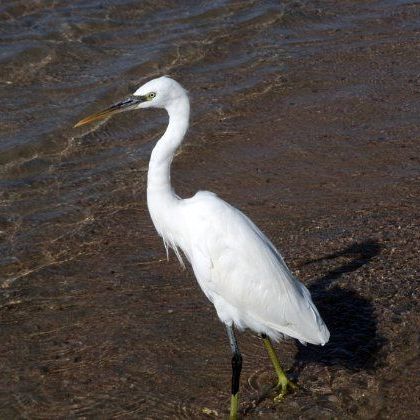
159	175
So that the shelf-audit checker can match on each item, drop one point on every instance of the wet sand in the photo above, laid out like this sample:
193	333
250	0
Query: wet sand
321	152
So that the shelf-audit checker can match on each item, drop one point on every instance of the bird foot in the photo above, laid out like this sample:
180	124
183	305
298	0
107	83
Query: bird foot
285	385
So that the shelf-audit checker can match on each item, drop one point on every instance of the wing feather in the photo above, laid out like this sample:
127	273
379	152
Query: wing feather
244	275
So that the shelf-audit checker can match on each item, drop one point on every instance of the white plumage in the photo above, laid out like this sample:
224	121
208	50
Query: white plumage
241	272
236	266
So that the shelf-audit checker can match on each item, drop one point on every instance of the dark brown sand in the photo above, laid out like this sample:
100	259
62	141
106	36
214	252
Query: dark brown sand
323	155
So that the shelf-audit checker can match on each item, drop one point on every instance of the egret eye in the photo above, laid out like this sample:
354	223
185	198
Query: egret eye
151	95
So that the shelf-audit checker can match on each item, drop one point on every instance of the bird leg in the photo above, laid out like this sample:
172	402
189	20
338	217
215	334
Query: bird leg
284	383
236	373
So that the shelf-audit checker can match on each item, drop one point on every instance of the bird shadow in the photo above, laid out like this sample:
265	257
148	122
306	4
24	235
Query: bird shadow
354	342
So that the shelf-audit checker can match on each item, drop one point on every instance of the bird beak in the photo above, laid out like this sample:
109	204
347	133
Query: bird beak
125	105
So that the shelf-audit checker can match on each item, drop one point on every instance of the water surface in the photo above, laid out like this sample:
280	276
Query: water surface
304	115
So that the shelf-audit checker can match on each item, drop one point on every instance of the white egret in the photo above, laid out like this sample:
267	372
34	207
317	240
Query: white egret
237	267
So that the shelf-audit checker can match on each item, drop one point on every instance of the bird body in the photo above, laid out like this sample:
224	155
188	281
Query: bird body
236	266
240	271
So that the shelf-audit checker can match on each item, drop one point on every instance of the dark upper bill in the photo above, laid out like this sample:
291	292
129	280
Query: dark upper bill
125	105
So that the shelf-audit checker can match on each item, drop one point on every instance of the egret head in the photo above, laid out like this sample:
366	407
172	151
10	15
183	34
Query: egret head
157	93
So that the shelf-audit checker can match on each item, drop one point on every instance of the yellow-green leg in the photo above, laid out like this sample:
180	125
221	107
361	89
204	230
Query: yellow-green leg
234	405
284	383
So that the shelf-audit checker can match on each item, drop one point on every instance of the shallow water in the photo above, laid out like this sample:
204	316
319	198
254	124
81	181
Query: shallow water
63	60
304	115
